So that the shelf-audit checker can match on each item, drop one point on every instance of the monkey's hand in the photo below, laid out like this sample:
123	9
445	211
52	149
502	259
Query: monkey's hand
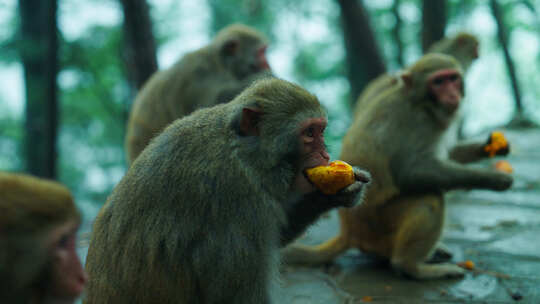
502	181
496	145
306	211
354	193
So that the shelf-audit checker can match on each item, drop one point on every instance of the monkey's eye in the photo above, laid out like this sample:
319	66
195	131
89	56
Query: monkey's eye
64	240
309	132
453	77
438	81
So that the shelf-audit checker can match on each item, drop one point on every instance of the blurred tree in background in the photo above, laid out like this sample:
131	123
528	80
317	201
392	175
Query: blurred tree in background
38	50
106	49
139	42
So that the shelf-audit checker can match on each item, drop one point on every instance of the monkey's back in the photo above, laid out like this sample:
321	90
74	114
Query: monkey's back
171	94
174	231
386	126
366	145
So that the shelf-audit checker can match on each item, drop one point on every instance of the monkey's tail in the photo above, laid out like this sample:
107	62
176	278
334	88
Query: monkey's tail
314	255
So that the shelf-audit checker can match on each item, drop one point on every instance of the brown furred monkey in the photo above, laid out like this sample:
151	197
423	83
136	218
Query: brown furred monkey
462	46
201	213
38	225
396	138
202	78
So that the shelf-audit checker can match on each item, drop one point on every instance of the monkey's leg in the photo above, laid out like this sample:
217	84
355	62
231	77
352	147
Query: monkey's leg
314	255
325	252
418	233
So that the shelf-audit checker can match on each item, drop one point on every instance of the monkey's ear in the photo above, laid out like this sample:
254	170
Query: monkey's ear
249	122
407	79
230	47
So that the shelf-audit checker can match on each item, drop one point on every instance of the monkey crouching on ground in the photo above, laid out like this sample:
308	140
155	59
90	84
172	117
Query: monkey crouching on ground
38	225
201	213
203	78
396	139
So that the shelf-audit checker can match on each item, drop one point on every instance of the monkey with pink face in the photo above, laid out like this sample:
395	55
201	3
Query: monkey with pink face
397	136
213	74
38	226
201	214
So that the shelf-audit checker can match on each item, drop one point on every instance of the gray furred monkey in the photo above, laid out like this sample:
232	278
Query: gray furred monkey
202	212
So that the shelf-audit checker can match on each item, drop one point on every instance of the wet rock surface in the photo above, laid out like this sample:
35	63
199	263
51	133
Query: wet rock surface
498	231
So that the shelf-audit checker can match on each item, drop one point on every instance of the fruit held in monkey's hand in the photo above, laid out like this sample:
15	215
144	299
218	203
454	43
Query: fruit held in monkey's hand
332	178
496	144
503	166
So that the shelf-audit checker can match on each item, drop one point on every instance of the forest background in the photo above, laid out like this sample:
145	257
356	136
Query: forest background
69	69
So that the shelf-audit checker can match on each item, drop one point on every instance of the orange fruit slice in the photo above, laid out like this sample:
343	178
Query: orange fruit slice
332	178
498	142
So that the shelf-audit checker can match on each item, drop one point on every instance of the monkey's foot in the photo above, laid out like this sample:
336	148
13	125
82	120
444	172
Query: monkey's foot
423	271
440	255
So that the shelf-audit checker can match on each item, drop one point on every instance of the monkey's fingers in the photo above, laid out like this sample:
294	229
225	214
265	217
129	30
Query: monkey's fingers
362	175
352	189
504	151
349	196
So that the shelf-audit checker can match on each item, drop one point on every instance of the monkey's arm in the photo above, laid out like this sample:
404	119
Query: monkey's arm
434	174
474	151
308	209
468	152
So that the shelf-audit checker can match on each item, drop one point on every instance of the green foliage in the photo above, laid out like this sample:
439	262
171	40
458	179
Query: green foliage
255	13
310	67
8	37
11	136
94	98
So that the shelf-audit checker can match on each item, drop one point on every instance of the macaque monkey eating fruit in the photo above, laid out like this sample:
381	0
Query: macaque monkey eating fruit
203	78
38	225
396	138
201	214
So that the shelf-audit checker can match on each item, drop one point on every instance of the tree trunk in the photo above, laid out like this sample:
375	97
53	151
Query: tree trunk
39	56
396	33
433	22
140	47
502	36
364	60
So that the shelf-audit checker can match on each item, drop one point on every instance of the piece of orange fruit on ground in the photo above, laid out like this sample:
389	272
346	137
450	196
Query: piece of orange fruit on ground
469	265
332	178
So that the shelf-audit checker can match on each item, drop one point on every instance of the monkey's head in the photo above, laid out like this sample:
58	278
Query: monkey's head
467	44
288	124
464	47
38	225
436	83
242	50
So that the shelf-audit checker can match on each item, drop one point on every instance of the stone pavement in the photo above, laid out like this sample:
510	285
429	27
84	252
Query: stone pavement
498	231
